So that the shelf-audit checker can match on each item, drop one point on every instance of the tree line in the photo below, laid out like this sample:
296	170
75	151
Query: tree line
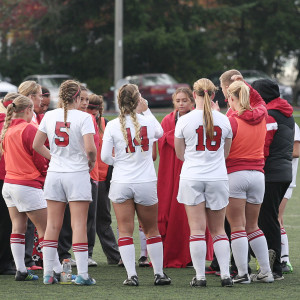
188	39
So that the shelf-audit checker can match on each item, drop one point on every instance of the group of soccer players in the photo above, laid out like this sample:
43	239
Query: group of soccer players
222	175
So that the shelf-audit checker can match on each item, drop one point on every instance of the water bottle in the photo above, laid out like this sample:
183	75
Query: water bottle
66	274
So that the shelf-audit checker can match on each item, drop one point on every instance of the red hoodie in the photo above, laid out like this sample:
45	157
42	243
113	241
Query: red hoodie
286	109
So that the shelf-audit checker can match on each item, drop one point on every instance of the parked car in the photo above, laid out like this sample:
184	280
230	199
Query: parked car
157	88
286	92
6	86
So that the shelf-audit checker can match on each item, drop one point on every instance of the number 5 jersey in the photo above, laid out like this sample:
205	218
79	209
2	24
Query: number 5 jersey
66	143
203	158
133	162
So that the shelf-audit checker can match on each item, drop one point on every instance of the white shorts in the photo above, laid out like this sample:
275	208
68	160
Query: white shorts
144	193
67	187
249	185
288	193
214	193
24	198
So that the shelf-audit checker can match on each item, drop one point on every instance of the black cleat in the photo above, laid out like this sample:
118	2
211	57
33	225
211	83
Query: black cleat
198	283
132	281
227	281
162	280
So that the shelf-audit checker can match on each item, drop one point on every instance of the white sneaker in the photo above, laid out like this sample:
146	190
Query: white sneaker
260	277
91	262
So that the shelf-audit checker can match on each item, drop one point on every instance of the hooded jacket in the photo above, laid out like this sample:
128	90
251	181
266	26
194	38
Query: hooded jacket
279	141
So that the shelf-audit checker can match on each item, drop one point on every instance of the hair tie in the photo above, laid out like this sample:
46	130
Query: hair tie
14	105
205	91
76	93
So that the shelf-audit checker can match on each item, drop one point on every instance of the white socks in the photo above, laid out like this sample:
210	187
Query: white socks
143	242
17	245
259	245
198	254
222	252
127	252
239	247
49	256
284	246
81	256
155	250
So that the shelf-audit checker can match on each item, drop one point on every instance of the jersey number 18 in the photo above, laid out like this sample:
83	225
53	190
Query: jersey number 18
211	145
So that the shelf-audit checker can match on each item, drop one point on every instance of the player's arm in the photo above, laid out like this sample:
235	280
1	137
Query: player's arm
296	149
38	144
179	147
154	151
90	149
227	147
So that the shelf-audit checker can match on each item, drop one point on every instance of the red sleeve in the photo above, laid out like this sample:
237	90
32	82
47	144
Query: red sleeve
272	127
234	126
27	138
168	125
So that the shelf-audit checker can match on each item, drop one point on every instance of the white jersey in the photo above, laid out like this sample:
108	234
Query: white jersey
136	165
296	159
66	146
203	159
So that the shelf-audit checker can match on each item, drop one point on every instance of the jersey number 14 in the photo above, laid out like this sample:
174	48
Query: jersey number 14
133	142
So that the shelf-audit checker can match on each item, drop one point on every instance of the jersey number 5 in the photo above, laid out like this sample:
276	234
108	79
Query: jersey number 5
62	139
134	142
211	145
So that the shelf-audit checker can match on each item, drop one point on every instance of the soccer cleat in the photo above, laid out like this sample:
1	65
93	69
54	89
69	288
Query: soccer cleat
260	277
198	282
241	279
277	276
34	268
272	256
91	262
50	279
80	281
143	262
26	276
226	281
132	281
286	267
162	280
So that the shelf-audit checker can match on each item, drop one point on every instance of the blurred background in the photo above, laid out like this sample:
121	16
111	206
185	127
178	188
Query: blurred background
185	40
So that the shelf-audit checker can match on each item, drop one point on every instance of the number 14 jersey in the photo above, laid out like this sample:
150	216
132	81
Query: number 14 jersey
132	163
203	158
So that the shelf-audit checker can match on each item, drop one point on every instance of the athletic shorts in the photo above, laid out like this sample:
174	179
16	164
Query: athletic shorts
144	193
24	198
214	193
288	193
249	185
67	187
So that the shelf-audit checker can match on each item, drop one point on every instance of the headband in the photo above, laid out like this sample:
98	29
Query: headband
76	93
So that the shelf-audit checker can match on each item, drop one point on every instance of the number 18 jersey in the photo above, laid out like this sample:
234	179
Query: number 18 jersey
203	158
66	144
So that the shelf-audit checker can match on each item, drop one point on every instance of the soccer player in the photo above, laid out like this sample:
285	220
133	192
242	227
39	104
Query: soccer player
24	179
202	141
246	183
72	155
133	184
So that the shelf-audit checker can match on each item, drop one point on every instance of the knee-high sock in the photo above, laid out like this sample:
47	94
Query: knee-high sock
284	246
57	267
143	242
17	245
81	256
198	254
127	251
155	250
239	247
259	245
49	252
222	252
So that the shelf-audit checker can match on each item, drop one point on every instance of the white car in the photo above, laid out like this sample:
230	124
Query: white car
6	87
52	82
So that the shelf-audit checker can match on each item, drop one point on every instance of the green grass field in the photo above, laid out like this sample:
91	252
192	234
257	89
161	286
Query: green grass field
109	278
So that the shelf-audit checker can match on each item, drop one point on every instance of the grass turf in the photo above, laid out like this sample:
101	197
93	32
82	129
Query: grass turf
110	277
